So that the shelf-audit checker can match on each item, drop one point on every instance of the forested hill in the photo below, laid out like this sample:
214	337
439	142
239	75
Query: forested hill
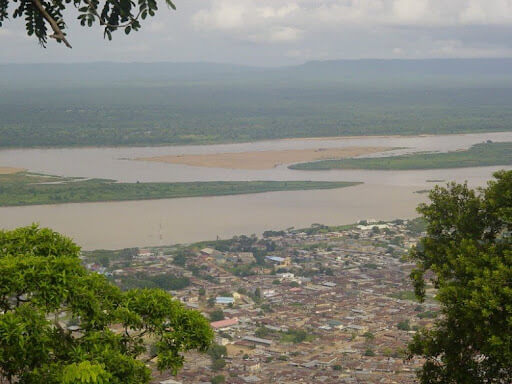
190	103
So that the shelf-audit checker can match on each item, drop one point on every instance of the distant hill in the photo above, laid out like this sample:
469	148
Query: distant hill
361	71
87	74
422	67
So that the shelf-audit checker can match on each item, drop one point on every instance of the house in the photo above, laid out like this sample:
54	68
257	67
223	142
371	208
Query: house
279	261
275	259
246	257
209	252
224	300
250	379
257	340
224	324
170	381
144	253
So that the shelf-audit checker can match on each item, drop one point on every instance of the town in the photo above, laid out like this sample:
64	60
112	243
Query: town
315	305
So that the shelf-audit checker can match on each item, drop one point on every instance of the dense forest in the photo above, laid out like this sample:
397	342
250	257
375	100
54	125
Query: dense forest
157	104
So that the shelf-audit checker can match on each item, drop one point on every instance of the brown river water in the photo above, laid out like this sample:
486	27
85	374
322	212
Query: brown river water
384	194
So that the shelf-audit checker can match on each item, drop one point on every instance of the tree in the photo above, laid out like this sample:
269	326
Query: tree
217	351
219	379
467	256
180	258
218	364
404	325
217	354
217	315
44	288
257	295
110	14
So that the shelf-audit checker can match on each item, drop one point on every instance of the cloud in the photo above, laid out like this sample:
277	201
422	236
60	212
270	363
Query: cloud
347	27
233	14
254	21
276	35
277	32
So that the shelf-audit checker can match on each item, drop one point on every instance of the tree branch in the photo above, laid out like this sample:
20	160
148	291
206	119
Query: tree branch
104	23
57	32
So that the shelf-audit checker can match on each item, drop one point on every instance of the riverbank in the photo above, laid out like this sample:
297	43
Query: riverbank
479	155
34	189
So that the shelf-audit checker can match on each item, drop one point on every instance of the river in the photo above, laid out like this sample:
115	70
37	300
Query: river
384	194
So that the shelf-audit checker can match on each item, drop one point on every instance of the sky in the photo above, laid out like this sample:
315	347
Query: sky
284	32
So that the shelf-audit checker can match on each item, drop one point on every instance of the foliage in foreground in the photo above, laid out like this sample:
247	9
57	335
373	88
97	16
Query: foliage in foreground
467	256
63	324
41	16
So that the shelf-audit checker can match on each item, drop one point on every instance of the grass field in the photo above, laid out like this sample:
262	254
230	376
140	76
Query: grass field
480	155
31	189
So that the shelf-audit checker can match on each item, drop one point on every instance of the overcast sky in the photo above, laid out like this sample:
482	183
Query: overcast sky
280	32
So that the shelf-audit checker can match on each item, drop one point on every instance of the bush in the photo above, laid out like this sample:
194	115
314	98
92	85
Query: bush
217	315
218	364
404	325
219	379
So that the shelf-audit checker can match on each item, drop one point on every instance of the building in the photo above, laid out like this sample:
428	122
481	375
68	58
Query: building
224	324
224	300
258	340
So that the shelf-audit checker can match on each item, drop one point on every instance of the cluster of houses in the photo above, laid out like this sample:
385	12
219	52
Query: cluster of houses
323	307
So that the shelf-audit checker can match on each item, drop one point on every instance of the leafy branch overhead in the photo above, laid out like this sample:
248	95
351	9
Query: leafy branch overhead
44	19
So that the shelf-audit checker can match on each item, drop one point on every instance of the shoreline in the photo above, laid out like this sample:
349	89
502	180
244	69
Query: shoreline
223	142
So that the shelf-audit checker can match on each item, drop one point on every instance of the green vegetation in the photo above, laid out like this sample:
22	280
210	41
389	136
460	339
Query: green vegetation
404	295
217	354
44	290
417	225
467	255
219	379
106	257
321	228
107	104
479	155
404	325
167	282
47	19
296	336
30	189
290	336
217	315
428	315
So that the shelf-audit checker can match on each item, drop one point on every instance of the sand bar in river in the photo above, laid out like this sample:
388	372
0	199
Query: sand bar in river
258	160
10	170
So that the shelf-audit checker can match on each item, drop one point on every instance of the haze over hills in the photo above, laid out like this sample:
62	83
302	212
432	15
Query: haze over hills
193	103
106	73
